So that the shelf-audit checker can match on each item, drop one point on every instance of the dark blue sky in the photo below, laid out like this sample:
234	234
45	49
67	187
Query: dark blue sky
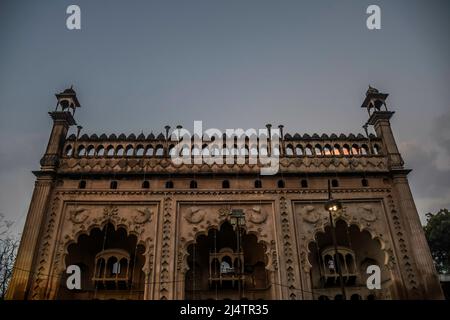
139	65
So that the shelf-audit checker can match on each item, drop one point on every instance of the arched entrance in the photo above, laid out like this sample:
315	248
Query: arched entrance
356	250
111	264
227	264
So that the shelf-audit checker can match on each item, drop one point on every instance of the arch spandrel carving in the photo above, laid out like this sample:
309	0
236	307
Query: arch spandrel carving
136	218
81	218
198	218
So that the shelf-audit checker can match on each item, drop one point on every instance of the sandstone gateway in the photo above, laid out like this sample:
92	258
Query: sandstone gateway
140	227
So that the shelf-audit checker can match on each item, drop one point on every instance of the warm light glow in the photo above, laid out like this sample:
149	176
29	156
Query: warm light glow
333	205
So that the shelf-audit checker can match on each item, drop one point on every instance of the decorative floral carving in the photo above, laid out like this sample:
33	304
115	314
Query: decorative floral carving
304	260
274	255
224	212
149	252
181	258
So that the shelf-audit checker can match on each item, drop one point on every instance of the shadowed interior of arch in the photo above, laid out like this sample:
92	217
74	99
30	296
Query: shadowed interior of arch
219	268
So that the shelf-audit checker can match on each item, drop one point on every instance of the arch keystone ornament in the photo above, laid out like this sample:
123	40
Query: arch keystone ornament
111	212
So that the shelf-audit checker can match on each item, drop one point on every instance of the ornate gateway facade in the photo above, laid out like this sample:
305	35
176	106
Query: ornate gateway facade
140	227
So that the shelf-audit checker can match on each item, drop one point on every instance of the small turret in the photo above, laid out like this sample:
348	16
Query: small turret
374	100
62	121
67	100
379	119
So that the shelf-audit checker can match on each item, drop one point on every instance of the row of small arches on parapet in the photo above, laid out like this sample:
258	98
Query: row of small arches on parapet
193	184
290	150
325	136
114	137
162	137
332	150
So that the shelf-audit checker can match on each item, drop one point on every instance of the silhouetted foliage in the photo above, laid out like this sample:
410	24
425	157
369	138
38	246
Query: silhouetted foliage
8	251
437	232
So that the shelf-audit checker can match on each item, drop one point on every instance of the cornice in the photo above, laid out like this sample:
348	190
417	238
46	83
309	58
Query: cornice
232	192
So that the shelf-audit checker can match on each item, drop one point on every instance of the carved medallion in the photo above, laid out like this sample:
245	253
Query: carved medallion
256	215
194	215
76	216
310	215
143	216
366	213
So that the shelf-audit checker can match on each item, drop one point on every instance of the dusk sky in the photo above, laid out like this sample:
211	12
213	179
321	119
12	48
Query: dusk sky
139	65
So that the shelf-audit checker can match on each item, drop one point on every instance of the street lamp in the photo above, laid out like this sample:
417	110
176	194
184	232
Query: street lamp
237	219
334	206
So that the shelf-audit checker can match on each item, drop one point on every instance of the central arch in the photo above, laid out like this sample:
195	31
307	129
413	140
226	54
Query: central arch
227	264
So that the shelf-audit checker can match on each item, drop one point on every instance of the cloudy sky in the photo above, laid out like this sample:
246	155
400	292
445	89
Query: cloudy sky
139	65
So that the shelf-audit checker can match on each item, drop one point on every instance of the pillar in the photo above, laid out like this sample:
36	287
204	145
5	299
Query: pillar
428	279
426	270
